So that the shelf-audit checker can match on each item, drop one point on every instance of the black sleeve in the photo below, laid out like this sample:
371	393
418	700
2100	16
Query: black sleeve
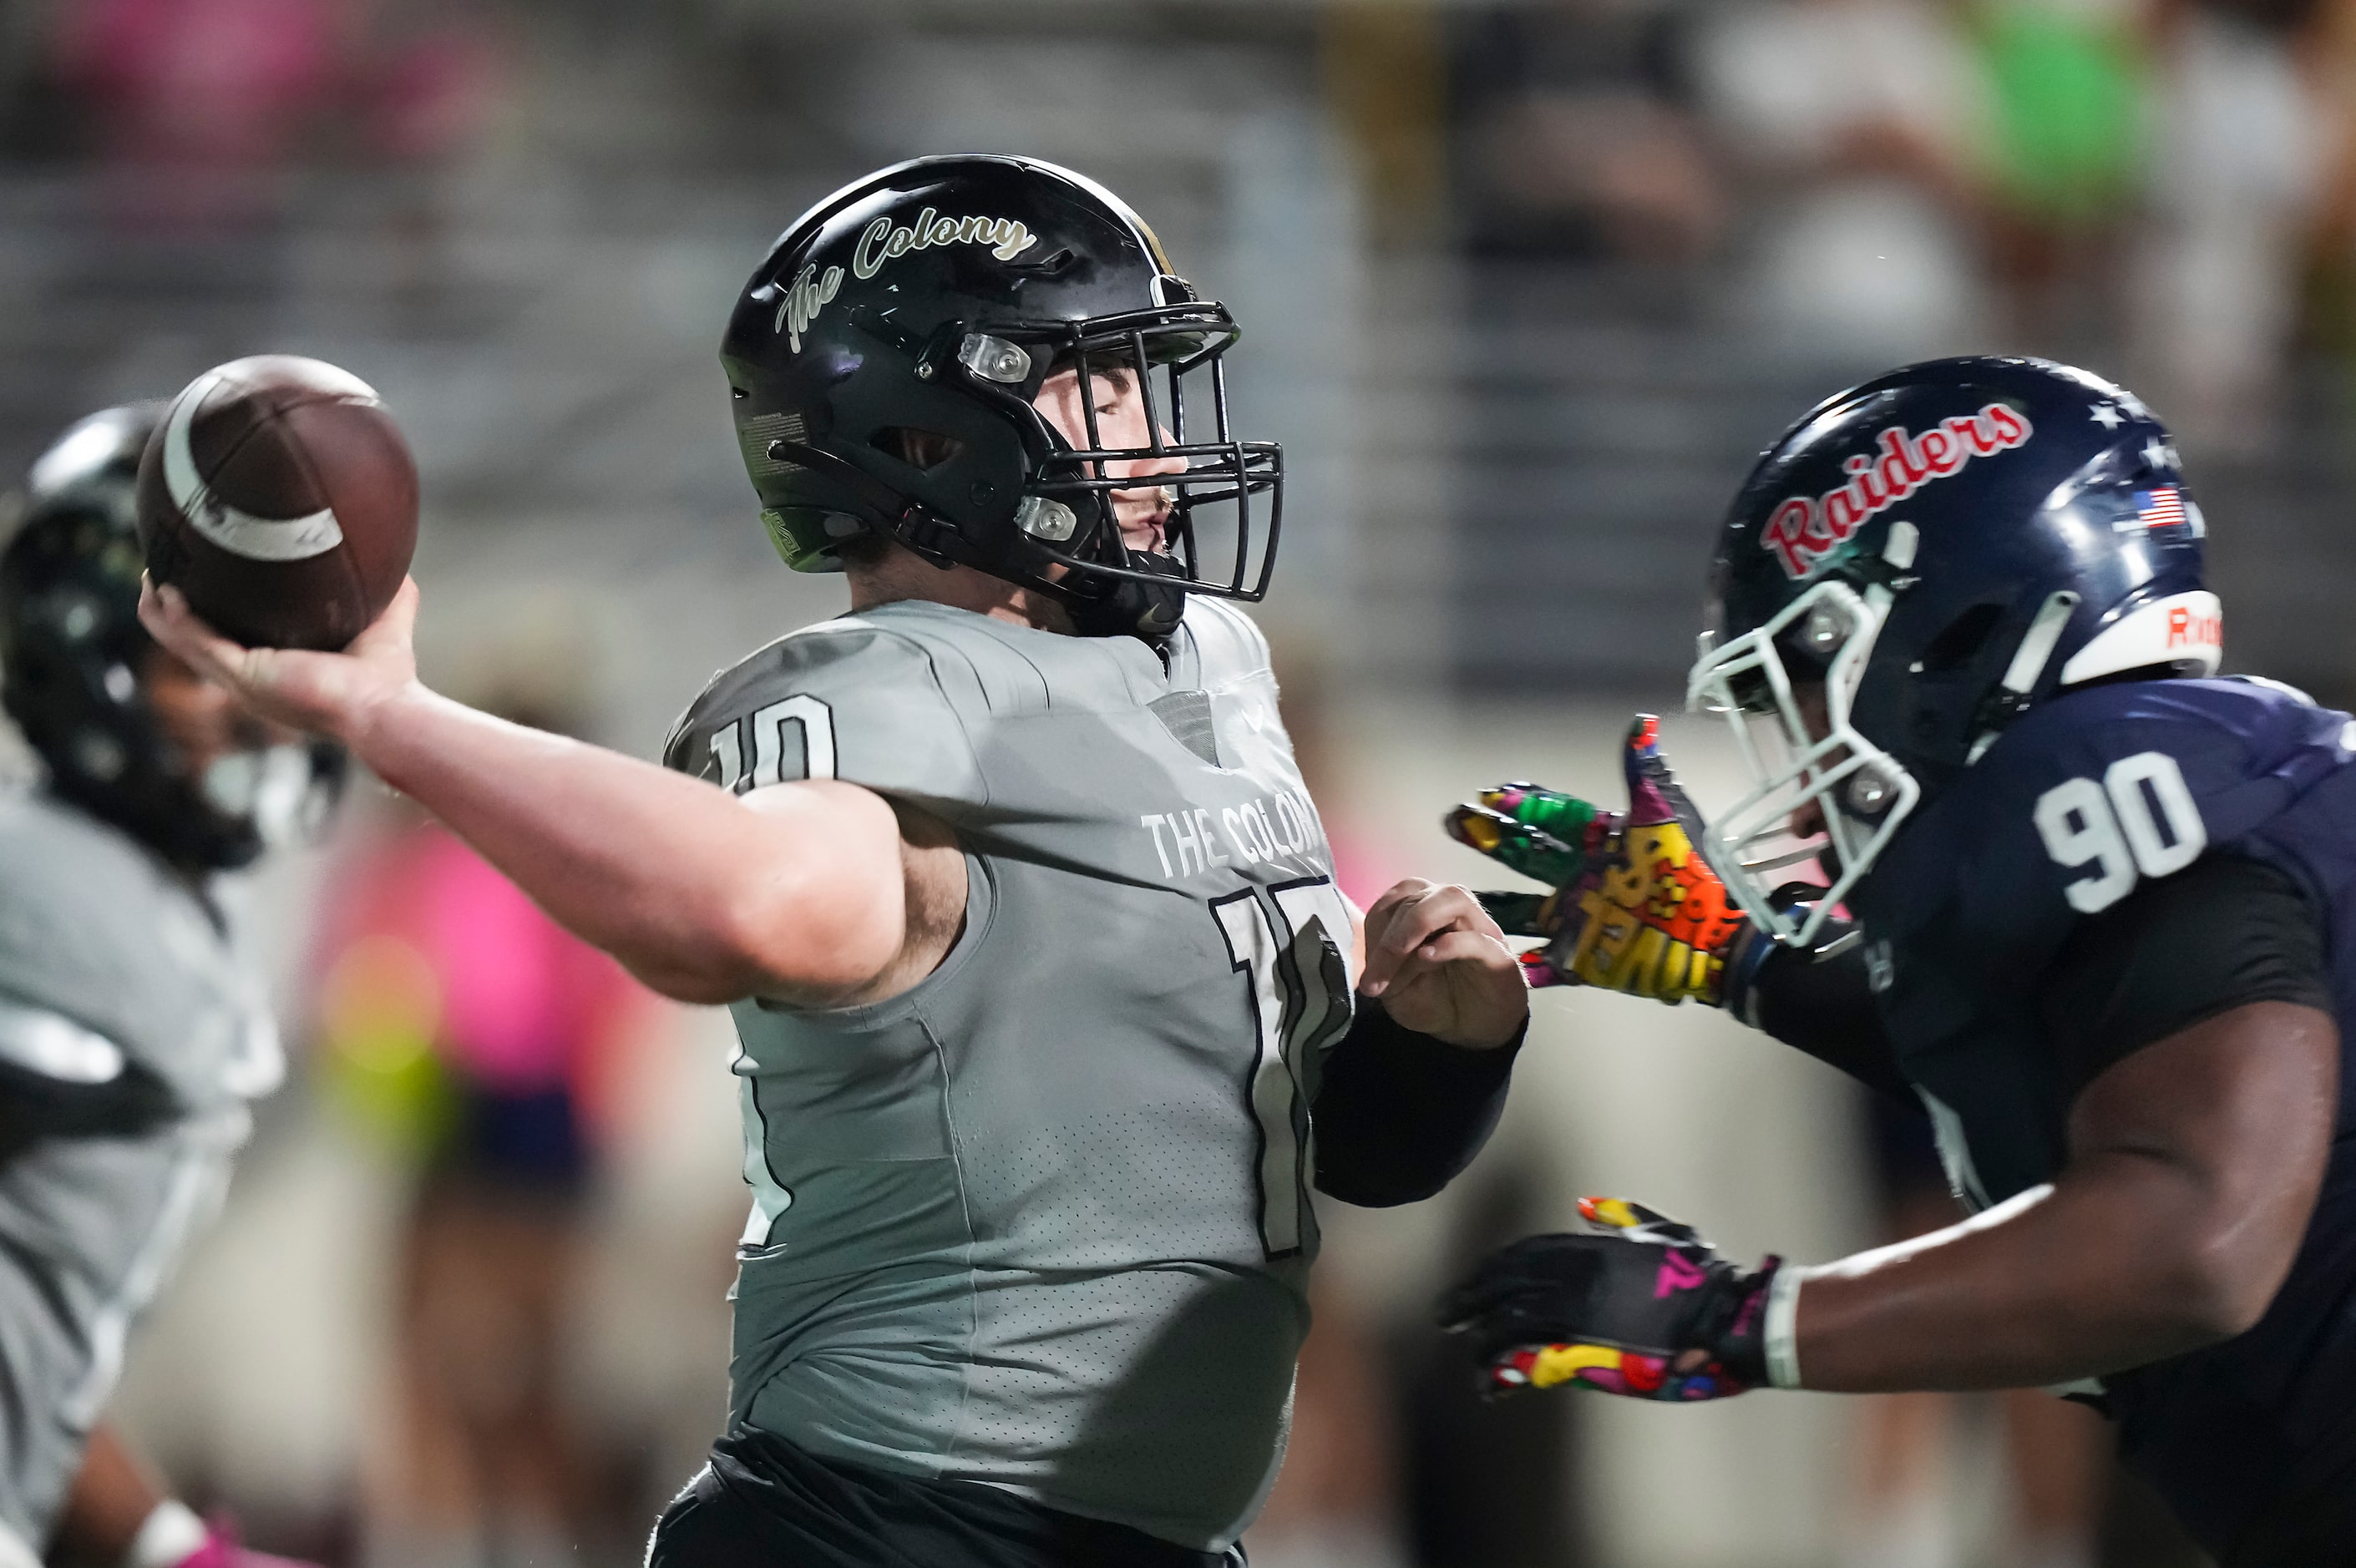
1398	1114
2224	932
1824	1006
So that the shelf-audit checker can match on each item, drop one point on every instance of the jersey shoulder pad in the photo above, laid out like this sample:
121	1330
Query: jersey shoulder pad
89	920
2091	794
850	698
1228	644
2241	749
59	855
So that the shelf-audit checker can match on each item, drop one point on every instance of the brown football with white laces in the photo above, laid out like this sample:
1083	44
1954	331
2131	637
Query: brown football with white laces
279	496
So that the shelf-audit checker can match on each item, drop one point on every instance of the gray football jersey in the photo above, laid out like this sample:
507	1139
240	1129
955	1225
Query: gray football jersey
1043	1222
109	965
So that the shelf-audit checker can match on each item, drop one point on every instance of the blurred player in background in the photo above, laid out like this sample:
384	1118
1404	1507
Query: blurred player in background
1028	926
2101	929
133	1027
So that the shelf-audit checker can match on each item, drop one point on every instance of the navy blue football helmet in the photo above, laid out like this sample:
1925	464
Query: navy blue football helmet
883	358
1915	563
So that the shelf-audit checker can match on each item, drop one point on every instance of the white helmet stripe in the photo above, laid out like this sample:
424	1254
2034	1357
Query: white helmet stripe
238	532
2182	629
1742	840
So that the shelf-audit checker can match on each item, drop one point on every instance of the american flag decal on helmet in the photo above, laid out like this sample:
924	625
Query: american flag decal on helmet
2160	508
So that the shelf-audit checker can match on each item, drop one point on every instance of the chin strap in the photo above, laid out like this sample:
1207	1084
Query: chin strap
1129	608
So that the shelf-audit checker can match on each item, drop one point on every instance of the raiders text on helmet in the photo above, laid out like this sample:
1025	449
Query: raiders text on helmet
1909	569
883	359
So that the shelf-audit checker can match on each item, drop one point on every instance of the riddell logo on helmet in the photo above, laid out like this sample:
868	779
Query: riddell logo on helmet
1802	532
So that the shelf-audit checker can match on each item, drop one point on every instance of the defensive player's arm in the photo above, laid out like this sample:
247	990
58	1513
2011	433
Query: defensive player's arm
2193	1162
1408	1096
796	891
1824	1007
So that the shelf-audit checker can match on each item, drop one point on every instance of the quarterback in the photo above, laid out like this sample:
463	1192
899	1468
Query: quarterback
133	1029
1041	978
2089	904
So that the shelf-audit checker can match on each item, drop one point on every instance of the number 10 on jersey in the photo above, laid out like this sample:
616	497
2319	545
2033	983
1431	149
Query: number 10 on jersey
1301	1004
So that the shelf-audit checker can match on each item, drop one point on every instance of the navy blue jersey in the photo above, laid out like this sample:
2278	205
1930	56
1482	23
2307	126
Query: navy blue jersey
2081	801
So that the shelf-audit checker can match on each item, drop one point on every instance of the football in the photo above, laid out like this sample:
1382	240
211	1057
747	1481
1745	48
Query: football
279	496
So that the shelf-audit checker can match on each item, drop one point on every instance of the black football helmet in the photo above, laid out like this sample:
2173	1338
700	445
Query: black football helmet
883	362
72	655
1935	551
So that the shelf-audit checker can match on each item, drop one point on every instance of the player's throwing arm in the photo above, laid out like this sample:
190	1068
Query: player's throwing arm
793	890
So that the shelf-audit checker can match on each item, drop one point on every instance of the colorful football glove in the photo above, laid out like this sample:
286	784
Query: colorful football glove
1633	1304
1636	908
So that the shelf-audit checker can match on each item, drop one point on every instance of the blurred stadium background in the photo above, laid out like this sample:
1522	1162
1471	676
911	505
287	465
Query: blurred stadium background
1526	283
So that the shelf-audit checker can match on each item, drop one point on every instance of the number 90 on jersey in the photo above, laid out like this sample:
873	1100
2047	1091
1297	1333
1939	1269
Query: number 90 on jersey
2138	821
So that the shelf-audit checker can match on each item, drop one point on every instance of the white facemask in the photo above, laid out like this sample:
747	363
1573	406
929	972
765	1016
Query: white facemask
1861	791
274	787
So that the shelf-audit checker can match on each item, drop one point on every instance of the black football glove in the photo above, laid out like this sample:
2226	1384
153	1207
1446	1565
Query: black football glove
1634	1304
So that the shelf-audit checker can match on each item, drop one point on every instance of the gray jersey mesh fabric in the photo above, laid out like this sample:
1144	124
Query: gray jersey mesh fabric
1042	1221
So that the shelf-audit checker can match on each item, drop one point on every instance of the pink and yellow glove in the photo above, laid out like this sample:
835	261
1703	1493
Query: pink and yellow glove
1636	907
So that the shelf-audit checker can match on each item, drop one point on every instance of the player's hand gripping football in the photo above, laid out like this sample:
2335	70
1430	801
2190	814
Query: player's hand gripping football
1632	1303
327	694
1636	907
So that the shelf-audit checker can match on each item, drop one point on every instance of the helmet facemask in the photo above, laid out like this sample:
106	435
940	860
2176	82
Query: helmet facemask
1801	758
1226	507
275	797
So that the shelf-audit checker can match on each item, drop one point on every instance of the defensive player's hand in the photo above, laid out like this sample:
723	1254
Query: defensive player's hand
327	694
1632	1303
1439	965
1636	908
